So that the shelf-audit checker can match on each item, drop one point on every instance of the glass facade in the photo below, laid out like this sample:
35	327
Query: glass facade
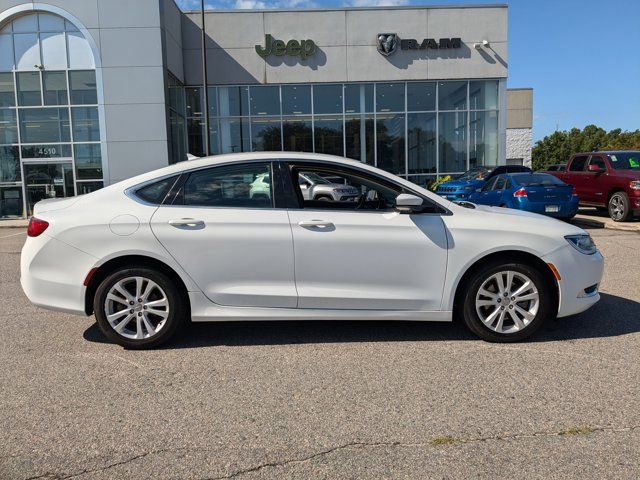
419	130
49	122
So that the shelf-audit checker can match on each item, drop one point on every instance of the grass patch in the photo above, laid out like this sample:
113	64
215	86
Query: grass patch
438	441
577	431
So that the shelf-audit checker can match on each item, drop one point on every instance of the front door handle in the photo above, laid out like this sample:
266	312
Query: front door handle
316	224
187	222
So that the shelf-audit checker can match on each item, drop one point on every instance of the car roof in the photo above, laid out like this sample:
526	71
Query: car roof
607	152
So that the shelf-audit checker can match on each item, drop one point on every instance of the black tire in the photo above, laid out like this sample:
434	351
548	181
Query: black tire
174	320
546	308
620	207
324	198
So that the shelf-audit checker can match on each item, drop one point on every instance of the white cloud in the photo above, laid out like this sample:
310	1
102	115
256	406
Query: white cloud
250	4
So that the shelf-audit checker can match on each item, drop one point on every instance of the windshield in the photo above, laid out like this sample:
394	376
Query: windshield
478	173
314	178
537	180
625	160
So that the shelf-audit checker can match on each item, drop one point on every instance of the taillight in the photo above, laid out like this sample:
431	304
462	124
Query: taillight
36	227
521	193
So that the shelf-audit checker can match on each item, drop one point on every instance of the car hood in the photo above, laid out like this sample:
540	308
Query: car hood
462	183
630	174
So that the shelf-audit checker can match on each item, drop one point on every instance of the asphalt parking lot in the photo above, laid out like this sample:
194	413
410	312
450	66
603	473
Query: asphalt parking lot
324	400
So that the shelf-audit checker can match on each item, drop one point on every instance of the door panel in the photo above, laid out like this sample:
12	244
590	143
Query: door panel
593	185
369	260
233	244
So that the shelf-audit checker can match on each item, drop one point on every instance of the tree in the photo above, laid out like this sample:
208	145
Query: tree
559	146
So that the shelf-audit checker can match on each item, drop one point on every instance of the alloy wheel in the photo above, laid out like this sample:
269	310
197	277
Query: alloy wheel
616	207
507	302
136	308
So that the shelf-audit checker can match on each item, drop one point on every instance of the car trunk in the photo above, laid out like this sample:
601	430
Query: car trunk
549	194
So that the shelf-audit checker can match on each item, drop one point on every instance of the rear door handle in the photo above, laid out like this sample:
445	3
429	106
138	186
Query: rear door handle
187	222
316	224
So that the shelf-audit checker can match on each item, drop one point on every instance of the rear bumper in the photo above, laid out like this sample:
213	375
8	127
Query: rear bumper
578	273
565	209
52	274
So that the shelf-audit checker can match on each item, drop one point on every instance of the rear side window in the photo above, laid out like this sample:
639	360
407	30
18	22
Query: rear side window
500	183
242	186
157	191
578	164
489	185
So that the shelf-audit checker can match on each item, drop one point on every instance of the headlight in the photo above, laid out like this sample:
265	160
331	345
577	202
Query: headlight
583	243
635	184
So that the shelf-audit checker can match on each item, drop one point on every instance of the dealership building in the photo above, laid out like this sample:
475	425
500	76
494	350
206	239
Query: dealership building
96	91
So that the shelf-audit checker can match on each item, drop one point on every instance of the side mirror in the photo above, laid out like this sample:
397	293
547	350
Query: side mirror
595	169
408	203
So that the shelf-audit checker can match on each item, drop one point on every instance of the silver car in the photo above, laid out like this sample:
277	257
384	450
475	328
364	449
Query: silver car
315	187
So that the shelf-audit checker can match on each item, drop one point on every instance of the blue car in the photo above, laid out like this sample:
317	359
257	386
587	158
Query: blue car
534	192
462	187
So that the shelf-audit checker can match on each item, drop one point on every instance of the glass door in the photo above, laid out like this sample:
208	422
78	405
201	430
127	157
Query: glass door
47	180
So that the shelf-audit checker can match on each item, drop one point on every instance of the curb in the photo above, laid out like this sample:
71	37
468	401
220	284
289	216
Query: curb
609	225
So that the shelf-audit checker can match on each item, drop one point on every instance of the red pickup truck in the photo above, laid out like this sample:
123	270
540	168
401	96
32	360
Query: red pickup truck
609	181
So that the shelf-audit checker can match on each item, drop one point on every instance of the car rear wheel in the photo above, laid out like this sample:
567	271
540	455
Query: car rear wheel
620	207
138	307
507	302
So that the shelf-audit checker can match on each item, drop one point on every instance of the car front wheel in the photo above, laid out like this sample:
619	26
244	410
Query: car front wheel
138	307
507	302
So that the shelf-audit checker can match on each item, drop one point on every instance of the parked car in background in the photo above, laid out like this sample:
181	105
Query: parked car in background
609	181
556	167
470	181
533	192
190	243
316	187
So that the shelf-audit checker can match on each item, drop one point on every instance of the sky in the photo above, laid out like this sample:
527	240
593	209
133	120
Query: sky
581	57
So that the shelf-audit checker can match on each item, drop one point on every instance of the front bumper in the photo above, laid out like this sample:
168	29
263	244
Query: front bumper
579	273
52	274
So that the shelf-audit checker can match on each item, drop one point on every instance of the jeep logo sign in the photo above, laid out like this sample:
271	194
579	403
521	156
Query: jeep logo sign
293	48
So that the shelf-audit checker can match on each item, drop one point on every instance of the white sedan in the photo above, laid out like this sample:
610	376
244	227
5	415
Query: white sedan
189	242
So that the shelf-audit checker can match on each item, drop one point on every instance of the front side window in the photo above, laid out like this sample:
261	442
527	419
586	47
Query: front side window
241	186
598	162
326	188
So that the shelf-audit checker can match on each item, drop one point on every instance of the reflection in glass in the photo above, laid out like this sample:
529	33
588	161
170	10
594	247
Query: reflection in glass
483	95
8	127
176	137
328	135
359	133
28	88
266	135
83	188
212	100
44	125
265	100
483	138
390	142
425	181
421	96
214	137
297	134
233	101
82	84
9	164
234	135
55	88
452	95
48	180
7	98
85	124
421	132
10	201
195	102
88	161
390	97
195	141
296	99
358	98
452	142
327	98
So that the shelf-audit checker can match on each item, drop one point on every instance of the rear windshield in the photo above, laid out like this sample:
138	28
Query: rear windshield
625	160
537	180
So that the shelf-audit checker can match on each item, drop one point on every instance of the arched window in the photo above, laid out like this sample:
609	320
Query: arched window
49	126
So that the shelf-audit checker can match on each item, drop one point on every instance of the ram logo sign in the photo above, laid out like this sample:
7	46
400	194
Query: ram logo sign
388	43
